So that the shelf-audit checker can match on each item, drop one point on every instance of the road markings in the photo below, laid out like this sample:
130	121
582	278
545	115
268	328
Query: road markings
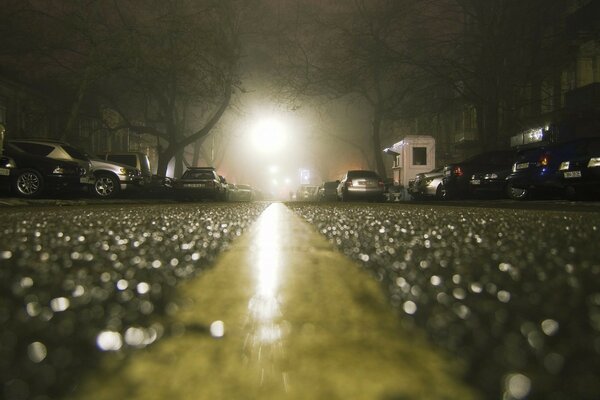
282	315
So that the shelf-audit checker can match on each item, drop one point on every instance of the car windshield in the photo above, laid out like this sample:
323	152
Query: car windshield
203	175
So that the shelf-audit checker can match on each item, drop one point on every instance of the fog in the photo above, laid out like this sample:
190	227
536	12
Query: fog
267	144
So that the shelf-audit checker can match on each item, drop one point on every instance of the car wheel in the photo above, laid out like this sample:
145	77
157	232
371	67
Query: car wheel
344	196
106	186
515	193
441	193
29	183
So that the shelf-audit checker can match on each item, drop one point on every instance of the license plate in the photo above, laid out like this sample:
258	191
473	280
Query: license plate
522	165
194	185
476	182
4	171
573	174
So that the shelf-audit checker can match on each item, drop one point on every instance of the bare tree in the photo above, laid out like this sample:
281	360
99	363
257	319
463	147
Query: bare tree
354	49
167	67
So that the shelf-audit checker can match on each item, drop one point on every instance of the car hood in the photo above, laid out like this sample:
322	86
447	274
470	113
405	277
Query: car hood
96	164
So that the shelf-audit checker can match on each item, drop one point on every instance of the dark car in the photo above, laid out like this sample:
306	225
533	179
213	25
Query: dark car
536	170
580	174
200	183
30	176
244	192
455	183
361	184
307	193
328	191
490	182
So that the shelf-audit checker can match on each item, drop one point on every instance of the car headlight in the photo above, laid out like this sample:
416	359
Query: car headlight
563	166
490	176
58	170
594	162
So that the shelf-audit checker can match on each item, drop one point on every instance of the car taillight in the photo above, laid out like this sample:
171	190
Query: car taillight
544	160
457	171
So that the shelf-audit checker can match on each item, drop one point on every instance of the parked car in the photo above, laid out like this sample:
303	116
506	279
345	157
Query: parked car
361	184
199	183
537	170
30	176
112	178
307	193
328	191
133	159
427	184
244	193
153	185
58	151
108	178
580	173
455	183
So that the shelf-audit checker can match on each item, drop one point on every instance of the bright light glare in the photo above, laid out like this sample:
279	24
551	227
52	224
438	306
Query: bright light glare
268	135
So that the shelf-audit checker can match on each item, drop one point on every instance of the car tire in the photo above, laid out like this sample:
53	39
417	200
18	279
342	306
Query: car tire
107	186
344	197
517	193
441	193
29	184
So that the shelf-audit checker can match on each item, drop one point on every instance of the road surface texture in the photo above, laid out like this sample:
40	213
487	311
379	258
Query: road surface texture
282	316
142	302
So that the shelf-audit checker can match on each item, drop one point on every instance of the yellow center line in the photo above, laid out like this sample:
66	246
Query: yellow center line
282	315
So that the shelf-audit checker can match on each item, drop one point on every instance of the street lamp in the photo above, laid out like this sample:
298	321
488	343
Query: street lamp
268	135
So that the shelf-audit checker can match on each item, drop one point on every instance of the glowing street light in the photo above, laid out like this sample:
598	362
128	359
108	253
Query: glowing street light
268	135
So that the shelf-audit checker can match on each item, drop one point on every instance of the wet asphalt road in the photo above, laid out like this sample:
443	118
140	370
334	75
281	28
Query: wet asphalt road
514	293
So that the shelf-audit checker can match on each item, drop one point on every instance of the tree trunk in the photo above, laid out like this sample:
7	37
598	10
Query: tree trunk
68	133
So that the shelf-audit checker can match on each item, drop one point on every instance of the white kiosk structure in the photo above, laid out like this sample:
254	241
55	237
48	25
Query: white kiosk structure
412	155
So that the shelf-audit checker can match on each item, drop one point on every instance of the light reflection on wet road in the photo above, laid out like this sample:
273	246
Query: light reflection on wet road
263	343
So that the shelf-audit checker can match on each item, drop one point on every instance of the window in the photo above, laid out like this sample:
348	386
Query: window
126	159
34	148
419	156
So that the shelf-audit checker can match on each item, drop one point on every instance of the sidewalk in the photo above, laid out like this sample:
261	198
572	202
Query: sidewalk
281	316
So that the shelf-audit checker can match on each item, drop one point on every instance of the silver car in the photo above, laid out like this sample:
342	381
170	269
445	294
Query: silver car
427	184
361	184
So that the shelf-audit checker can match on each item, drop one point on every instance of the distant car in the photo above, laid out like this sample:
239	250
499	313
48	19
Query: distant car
328	191
455	183
307	193
361	184
200	183
30	176
244	192
580	173
427	184
537	170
